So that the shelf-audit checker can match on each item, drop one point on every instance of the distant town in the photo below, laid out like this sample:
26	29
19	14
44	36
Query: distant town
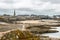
14	17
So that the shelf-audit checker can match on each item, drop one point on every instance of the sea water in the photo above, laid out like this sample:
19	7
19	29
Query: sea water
56	35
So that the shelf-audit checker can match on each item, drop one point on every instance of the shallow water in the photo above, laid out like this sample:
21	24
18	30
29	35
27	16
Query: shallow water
56	35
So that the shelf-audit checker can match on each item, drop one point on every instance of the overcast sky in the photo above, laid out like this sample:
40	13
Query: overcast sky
47	7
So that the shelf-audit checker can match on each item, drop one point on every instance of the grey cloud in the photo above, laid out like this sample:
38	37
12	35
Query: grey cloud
38	12
6	1
9	1
30	11
52	1
6	11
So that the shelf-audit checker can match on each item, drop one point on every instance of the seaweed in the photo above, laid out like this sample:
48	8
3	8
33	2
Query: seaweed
19	35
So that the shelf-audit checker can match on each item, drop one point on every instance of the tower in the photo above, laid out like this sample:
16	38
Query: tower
14	17
14	13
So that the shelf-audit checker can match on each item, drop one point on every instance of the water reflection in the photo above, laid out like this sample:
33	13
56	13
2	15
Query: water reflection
56	35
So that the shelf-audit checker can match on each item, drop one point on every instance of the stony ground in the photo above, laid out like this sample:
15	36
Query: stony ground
6	27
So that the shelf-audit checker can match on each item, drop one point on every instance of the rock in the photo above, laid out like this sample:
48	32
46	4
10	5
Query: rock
19	35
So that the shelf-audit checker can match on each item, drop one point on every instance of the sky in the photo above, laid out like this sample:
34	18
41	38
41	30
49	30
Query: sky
38	7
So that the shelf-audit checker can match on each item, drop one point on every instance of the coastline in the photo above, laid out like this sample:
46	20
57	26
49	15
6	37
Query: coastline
33	24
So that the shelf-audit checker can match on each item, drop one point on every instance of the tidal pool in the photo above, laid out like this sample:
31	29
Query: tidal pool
56	35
